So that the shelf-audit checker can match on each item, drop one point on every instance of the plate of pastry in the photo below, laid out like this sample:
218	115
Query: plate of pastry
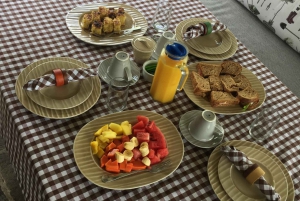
106	24
224	87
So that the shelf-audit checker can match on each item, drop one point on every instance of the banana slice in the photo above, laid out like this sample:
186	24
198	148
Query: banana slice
146	161
128	155
135	141
128	145
119	157
144	144
144	150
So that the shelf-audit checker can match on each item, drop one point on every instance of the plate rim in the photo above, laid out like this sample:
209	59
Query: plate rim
63	100
277	176
218	110
51	113
179	155
216	154
106	80
72	23
184	131
213	57
208	50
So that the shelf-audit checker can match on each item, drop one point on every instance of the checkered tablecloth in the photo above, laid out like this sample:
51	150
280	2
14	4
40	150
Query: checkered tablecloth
41	149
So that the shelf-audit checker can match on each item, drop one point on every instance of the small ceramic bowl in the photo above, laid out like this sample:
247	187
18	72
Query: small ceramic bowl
149	69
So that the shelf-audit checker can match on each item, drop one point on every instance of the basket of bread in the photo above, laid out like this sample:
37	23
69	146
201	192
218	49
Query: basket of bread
224	85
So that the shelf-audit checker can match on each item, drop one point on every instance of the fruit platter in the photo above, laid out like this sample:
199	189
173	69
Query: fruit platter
124	142
125	148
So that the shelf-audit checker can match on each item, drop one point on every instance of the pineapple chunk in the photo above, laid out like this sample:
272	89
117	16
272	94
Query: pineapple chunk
100	152
146	161
103	138
109	134
119	157
125	123
100	130
126	129
128	145
98	140
102	145
94	146
116	128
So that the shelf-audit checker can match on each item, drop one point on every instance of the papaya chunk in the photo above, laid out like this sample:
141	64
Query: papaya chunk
112	166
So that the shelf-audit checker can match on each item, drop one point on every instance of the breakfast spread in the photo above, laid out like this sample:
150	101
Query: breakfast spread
104	20
123	147
223	85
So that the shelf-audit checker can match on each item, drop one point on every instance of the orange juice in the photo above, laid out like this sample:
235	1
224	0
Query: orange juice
167	77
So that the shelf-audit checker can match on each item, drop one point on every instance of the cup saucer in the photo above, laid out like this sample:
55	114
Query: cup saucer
184	123
102	71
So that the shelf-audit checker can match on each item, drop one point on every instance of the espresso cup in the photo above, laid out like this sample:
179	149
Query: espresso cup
163	39
120	66
203	126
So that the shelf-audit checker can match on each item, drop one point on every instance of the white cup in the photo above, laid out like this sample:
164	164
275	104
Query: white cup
120	66
203	126
163	39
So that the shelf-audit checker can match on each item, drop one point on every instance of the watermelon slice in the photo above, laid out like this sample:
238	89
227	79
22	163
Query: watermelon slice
136	130
143	137
153	145
143	119
161	153
150	127
154	160
151	153
136	153
139	124
160	138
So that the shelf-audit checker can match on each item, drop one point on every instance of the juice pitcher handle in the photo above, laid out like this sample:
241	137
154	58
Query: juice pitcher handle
184	75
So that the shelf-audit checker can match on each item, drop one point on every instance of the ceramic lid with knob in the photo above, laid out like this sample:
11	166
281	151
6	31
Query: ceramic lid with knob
143	43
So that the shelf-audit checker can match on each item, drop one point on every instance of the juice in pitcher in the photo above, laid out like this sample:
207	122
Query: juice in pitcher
171	72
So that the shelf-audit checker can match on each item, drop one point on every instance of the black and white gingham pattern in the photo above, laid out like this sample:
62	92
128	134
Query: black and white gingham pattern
199	29
49	79
79	74
41	82
242	163
41	149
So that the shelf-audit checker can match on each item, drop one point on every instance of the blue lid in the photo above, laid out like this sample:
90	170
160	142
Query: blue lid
176	51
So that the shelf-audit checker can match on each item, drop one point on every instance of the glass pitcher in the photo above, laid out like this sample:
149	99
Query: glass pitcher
171	72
